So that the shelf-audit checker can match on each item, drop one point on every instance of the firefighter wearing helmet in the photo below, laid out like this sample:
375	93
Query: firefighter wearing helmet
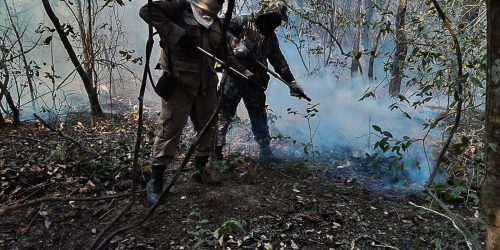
255	41
188	85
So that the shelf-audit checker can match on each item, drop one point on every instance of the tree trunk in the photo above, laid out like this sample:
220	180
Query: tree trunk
356	44
8	97
2	120
367	32
400	50
490	200
95	107
373	55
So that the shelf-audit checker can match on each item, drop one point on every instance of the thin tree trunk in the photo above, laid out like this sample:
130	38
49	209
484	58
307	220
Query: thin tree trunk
95	107
29	75
8	97
2	120
356	58
365	38
400	50
490	200
373	55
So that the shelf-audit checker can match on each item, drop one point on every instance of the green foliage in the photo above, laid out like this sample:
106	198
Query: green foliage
450	193
226	166
48	40
230	226
310	112
437	244
461	146
456	188
128	56
395	148
61	151
195	217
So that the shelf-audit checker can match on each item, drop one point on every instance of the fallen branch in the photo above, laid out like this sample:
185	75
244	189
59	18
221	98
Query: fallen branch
445	216
457	223
37	188
281	172
5	209
27	228
117	217
382	245
61	134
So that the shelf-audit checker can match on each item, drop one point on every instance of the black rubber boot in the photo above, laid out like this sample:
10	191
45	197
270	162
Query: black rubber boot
201	175
265	151
266	154
218	153
154	187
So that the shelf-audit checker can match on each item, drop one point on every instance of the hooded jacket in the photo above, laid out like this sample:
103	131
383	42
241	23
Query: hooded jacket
261	48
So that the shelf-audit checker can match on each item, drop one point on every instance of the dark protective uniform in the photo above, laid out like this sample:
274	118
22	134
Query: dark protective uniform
261	48
191	78
194	92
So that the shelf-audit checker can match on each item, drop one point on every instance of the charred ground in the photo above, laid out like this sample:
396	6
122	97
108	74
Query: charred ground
290	205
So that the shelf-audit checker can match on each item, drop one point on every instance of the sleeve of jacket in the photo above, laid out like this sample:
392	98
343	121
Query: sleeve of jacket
233	62
162	14
231	59
236	25
278	61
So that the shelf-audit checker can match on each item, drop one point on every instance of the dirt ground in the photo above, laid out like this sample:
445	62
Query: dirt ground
290	205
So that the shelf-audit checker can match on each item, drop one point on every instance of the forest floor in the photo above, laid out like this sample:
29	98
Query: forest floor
291	205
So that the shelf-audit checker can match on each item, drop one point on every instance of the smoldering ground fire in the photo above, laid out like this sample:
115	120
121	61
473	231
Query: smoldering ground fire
343	136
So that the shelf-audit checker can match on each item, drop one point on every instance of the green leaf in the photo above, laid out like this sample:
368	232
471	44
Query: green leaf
388	134
459	168
229	227
358	56
369	94
377	128
47	40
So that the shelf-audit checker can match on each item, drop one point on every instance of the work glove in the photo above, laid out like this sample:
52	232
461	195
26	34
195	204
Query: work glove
295	89
240	50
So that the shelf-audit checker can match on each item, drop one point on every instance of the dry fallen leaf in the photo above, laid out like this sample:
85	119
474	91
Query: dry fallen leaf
308	218
232	242
268	246
221	241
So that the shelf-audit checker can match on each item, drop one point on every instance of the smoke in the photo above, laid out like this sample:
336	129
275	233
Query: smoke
67	93
342	130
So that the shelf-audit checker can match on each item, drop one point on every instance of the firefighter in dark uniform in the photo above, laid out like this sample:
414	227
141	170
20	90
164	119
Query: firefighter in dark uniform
254	40
189	82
